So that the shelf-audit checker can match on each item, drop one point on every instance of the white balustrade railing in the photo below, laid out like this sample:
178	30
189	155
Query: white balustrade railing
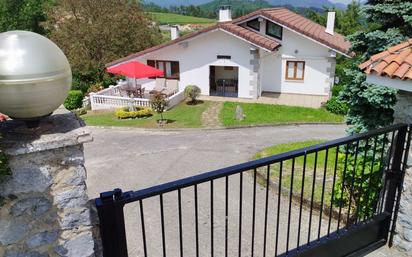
111	98
99	102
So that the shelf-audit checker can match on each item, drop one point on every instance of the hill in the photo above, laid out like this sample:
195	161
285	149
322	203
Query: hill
239	7
172	18
293	3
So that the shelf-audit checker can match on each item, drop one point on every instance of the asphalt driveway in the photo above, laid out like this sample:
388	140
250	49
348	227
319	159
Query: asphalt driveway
135	159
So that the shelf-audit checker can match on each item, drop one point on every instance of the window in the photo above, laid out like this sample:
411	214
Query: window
254	24
171	69
274	30
295	70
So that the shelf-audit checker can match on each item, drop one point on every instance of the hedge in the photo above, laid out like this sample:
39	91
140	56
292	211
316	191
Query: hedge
337	107
141	112
74	100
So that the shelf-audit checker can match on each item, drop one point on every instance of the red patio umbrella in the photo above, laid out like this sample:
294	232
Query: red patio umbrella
135	70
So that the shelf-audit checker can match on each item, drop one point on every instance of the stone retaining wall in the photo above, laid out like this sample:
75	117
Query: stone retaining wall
44	207
403	237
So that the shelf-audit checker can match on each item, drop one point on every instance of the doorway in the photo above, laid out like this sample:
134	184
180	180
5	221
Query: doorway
224	81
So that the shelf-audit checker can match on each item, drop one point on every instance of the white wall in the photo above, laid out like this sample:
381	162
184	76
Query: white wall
198	54
297	48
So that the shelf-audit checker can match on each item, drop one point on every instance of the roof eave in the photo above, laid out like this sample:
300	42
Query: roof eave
396	83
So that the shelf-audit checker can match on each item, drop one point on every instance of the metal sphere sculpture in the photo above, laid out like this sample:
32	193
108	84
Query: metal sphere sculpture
35	75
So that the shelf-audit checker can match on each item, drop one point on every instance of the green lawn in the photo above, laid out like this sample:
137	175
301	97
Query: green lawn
275	114
172	18
309	172
181	116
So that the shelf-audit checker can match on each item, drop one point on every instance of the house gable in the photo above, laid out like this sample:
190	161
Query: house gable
278	16
288	20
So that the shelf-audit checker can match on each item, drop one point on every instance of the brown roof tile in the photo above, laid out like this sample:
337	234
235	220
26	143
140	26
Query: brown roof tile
390	69
396	62
408	75
403	69
281	16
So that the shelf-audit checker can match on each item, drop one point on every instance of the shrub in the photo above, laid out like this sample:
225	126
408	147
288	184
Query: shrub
74	100
336	89
141	112
360	176
337	107
159	103
192	92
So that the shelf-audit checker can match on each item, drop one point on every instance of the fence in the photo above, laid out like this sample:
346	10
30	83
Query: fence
331	199
108	101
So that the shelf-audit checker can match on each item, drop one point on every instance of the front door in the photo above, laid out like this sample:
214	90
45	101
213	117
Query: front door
224	81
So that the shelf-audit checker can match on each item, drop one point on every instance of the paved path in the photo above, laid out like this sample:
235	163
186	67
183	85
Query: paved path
136	159
210	117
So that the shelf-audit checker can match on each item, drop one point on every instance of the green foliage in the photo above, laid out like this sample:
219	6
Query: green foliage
390	14
192	92
239	7
347	21
74	100
173	18
93	33
366	44
370	106
257	113
180	116
336	89
4	166
334	105
159	103
359	176
140	112
23	15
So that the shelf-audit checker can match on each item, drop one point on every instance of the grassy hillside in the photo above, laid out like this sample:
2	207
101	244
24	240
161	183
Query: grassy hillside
239	7
172	18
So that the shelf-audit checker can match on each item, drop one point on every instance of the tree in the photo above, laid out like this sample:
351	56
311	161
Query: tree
371	106
95	32
159	103
23	15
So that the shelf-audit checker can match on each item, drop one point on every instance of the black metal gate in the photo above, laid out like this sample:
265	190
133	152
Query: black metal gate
338	198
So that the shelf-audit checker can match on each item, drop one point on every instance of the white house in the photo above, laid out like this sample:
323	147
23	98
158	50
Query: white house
267	53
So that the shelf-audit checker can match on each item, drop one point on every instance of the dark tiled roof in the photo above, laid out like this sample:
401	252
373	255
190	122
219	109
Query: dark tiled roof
282	16
396	62
308	28
251	36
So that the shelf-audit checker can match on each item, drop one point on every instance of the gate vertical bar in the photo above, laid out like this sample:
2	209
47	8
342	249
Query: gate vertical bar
400	185
112	227
394	175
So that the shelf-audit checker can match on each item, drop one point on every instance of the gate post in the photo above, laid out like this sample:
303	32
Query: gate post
394	175
112	227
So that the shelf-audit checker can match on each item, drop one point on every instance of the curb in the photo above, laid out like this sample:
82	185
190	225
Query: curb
215	128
